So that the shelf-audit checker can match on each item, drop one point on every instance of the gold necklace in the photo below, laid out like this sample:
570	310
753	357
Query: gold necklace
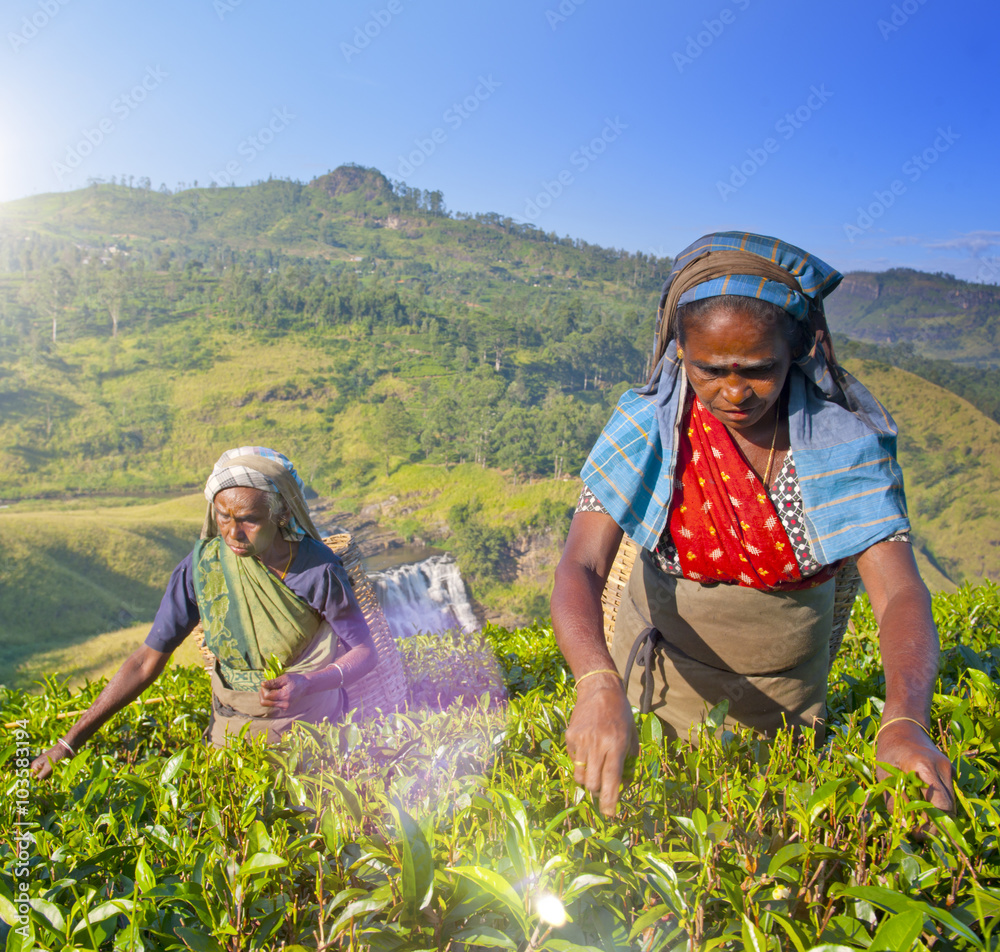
288	564
770	456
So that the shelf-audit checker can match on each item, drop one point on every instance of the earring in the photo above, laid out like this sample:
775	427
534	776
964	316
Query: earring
680	352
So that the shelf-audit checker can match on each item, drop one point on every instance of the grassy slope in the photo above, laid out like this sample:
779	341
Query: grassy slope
90	659
300	221
244	398
950	453
69	574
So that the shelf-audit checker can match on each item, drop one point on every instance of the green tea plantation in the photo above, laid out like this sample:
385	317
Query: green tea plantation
455	824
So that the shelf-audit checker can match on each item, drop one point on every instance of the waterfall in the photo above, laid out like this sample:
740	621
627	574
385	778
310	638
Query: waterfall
426	596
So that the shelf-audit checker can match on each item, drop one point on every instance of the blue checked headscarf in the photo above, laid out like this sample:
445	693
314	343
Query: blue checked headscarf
843	440
746	265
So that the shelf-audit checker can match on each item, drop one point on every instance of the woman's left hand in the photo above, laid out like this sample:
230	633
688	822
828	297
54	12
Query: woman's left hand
906	746
282	692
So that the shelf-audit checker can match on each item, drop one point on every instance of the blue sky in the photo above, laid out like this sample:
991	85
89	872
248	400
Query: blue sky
864	131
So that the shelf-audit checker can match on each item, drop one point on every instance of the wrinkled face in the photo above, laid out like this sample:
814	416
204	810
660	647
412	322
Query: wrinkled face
737	365
244	520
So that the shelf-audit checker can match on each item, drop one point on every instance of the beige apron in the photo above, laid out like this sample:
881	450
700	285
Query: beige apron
227	720
766	652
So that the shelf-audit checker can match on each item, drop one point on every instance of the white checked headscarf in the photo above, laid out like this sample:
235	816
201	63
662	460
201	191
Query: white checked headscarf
249	466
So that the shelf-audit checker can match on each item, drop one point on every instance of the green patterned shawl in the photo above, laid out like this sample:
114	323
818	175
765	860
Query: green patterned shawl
248	615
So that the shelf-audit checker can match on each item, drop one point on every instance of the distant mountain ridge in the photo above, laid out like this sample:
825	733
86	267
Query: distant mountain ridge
941	316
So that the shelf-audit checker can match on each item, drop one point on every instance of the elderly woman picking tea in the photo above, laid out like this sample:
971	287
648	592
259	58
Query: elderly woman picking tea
269	594
747	471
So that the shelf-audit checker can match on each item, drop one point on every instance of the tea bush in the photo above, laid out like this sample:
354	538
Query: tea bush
456	825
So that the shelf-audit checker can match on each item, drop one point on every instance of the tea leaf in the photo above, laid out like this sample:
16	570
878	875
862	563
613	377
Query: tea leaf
259	863
496	886
484	936
418	864
898	932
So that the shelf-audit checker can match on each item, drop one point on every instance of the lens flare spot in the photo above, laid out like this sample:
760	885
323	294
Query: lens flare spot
550	910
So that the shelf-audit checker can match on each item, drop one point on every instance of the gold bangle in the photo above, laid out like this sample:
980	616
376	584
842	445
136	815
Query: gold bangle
598	671
896	720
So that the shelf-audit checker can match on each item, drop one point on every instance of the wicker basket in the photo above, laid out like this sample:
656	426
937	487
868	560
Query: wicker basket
384	688
847	582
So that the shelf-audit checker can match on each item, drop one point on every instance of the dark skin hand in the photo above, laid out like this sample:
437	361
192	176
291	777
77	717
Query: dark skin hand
283	692
601	731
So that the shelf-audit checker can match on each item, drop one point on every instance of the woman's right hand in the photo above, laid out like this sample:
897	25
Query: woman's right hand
600	735
41	766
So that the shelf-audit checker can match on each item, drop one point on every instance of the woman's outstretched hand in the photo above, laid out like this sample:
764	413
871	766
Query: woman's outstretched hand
600	735
906	746
41	766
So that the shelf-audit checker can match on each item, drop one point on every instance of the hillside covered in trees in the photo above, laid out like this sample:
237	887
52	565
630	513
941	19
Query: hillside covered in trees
474	338
363	327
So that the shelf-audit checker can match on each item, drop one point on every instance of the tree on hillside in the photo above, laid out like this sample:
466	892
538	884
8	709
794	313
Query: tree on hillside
495	335
391	430
50	294
483	551
117	286
517	441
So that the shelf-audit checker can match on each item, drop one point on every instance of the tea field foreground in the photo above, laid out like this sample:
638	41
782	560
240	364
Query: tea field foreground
455	825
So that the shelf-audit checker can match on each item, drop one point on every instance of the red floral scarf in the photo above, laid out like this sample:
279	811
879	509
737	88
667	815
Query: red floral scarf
722	520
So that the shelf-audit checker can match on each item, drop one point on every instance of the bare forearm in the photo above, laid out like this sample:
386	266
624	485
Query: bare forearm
353	665
578	619
909	645
137	673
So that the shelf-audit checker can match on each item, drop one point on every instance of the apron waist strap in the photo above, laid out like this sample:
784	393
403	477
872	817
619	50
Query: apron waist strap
648	643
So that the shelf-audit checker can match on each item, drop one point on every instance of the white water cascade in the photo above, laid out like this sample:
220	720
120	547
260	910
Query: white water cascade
426	596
